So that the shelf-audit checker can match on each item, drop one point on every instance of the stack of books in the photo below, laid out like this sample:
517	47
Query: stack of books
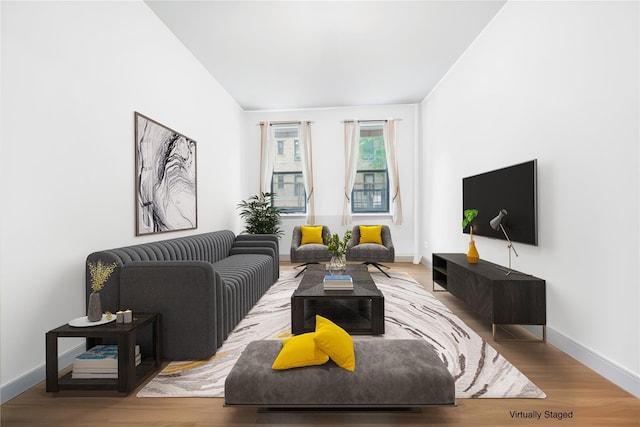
338	283
99	362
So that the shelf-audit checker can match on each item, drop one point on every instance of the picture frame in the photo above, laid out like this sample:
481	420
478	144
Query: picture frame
165	178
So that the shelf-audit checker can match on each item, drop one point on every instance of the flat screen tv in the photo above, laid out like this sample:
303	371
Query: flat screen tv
513	189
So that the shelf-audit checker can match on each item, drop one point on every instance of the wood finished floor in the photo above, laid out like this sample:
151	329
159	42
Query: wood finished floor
570	386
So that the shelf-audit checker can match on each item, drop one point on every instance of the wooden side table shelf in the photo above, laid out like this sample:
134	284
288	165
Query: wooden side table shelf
129	375
514	299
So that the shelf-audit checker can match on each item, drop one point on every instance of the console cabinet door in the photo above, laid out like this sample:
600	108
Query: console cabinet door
456	279
472	288
520	302
478	290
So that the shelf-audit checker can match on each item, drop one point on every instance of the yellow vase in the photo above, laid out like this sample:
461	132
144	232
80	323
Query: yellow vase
473	255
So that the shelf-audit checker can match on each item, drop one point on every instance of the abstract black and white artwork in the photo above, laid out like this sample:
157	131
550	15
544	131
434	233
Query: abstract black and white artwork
166	196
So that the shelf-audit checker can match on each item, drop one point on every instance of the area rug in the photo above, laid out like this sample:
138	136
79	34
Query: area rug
410	312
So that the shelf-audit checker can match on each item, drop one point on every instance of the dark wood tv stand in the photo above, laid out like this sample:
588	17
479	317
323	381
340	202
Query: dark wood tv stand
513	299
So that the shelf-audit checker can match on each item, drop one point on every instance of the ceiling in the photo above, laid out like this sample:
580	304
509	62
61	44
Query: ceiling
272	55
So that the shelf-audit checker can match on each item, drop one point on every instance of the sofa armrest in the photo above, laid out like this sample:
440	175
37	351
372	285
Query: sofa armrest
261	241
296	241
387	241
355	238
263	250
260	238
189	296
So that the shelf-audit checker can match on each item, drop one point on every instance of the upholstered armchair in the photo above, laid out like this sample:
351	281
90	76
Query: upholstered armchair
372	245
309	245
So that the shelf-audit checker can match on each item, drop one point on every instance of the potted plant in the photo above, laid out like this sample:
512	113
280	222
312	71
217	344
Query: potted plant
260	216
99	272
468	216
338	250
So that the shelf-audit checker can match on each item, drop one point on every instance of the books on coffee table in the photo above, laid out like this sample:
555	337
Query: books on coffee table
100	361
338	283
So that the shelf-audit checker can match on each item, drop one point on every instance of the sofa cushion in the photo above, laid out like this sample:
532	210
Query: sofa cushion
370	234
312	252
336	342
299	351
245	278
370	252
311	234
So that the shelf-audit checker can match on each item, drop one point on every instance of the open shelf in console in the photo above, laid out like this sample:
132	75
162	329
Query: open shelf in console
439	272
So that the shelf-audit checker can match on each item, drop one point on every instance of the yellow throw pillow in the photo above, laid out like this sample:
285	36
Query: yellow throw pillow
298	351
371	234
336	342
311	234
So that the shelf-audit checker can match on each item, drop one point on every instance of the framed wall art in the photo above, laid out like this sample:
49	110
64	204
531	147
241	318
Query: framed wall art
166	185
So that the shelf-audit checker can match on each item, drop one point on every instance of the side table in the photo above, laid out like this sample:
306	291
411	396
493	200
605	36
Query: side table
129	375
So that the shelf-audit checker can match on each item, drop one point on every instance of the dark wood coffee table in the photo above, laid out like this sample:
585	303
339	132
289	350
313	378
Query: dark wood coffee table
358	311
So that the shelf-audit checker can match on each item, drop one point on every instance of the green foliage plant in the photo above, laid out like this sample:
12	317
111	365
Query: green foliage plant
260	216
468	216
338	247
374	147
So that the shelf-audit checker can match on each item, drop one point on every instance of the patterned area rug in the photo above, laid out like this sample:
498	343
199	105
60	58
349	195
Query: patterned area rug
410	312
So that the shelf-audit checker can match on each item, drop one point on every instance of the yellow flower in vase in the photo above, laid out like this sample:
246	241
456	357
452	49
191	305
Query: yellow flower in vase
100	272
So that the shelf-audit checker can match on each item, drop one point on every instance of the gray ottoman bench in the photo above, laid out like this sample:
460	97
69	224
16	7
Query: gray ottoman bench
389	374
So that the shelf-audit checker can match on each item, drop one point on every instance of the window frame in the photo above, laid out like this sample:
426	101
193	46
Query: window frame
367	189
290	159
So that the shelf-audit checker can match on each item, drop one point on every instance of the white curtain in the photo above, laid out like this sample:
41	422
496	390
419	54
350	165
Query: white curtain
351	153
304	136
389	134
267	156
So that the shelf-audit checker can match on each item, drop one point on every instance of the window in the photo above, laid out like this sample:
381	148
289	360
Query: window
366	149
369	181
371	187
296	150
299	185
287	181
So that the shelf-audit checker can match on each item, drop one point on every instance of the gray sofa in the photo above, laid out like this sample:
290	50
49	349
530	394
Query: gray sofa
203	285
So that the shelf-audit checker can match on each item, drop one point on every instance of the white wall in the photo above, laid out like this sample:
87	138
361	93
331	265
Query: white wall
556	81
73	73
327	133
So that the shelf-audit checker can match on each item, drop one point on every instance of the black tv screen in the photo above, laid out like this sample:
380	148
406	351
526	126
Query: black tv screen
513	189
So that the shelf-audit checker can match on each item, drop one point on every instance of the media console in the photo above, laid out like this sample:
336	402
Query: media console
503	299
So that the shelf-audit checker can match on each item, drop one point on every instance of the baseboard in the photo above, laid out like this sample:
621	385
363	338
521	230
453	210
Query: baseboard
38	374
596	362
